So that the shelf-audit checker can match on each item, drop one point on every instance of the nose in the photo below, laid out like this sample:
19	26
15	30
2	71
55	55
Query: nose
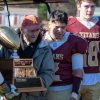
90	8
59	29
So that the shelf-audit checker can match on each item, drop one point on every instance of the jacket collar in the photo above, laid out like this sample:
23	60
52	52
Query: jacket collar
40	49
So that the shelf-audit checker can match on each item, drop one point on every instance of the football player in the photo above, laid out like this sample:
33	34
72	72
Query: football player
68	53
88	27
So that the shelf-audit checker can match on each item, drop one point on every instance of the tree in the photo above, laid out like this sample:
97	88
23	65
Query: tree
42	11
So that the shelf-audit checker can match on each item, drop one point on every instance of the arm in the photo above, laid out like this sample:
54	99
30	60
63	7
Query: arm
77	67
7	90
47	69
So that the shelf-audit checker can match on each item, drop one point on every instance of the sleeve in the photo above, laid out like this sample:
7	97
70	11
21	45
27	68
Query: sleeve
1	78
77	67
80	46
77	61
71	21
4	87
47	69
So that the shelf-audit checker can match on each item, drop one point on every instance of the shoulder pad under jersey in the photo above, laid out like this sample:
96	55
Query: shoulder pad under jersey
71	20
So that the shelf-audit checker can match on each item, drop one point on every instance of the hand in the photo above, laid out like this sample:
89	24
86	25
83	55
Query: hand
74	96
4	88
2	91
12	93
13	90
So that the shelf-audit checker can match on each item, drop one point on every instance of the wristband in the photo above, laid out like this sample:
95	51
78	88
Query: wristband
74	95
76	84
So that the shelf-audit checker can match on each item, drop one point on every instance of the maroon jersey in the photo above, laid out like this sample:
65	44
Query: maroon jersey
92	34
63	58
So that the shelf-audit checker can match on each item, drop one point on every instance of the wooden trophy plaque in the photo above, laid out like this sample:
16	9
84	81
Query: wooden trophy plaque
22	74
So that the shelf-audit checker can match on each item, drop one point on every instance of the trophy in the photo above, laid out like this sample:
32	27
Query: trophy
25	78
22	74
19	72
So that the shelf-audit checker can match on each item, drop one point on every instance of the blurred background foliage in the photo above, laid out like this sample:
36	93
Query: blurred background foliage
42	11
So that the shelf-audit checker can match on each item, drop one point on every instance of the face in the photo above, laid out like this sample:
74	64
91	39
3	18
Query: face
86	9
30	36
57	30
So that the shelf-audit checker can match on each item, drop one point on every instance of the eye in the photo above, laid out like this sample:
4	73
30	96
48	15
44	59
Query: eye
87	6
92	6
57	27
63	27
35	30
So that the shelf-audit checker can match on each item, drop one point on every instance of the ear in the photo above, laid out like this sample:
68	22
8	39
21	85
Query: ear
49	23
78	6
